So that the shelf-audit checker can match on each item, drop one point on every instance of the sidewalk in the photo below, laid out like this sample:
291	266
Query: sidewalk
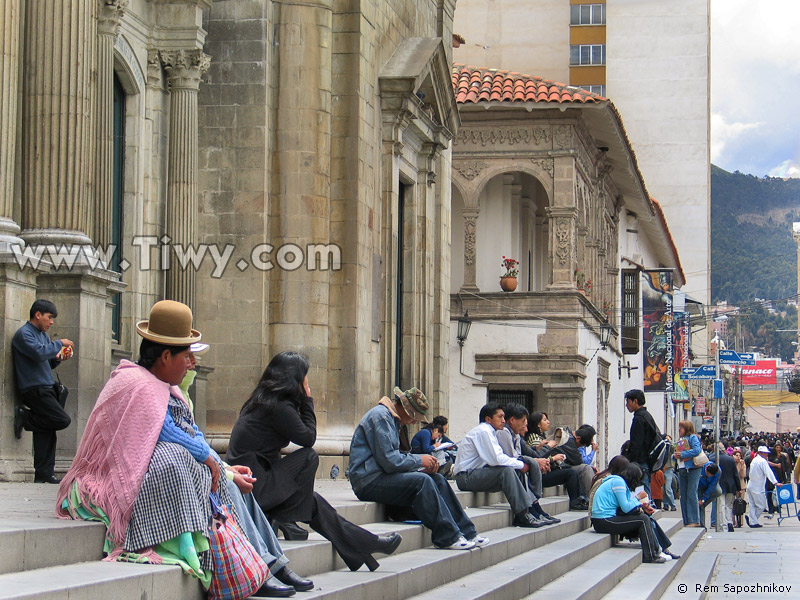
765	560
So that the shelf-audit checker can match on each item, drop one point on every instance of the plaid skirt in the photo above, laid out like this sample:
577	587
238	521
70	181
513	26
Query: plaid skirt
174	498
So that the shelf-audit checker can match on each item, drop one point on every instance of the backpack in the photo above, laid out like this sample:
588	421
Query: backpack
660	454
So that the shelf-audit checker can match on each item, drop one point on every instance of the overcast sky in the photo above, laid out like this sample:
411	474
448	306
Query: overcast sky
755	86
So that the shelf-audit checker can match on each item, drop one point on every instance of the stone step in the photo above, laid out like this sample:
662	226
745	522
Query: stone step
316	555
95	580
596	577
693	576
430	570
651	581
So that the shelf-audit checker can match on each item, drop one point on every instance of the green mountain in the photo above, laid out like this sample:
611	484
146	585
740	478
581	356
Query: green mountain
753	254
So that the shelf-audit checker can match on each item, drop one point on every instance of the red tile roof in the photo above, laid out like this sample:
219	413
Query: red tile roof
479	84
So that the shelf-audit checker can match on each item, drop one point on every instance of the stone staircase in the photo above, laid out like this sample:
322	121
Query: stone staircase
44	558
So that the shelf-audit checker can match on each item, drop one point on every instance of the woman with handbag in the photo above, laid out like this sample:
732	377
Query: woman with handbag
690	457
279	411
145	470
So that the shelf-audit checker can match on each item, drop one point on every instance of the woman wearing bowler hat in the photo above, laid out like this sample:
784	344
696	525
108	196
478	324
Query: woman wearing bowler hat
142	466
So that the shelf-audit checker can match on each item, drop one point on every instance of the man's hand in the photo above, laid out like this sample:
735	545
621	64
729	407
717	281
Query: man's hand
429	464
525	468
544	464
559	457
212	464
67	342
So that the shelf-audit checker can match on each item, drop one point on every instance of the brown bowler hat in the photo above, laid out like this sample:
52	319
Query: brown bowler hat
170	323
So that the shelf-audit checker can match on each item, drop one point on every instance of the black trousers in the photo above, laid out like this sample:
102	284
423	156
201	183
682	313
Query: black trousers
297	470
45	417
566	477
626	524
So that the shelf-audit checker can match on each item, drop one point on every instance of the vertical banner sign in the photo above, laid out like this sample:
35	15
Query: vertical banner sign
681	337
657	332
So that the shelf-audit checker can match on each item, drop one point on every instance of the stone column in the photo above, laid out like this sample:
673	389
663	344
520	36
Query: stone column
57	121
108	18
184	69
563	243
9	76
300	213
470	242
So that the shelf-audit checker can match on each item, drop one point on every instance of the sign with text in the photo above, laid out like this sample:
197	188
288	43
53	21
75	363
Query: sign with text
700	406
764	372
701	372
729	357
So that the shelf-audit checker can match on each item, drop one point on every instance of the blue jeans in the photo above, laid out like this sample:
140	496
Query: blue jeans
713	501
688	480
255	526
669	496
429	496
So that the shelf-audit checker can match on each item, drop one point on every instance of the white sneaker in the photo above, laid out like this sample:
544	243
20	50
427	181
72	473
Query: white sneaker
665	556
479	540
461	544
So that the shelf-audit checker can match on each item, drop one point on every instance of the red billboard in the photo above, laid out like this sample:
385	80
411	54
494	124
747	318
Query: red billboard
765	372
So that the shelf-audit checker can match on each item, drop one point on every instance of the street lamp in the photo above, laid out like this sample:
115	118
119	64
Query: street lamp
464	323
605	334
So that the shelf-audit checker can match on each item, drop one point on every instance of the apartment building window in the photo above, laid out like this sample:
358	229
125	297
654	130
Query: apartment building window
587	54
631	305
587	14
595	89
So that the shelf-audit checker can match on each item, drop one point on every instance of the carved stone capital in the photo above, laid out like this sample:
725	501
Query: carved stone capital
184	67
470	169
109	15
545	164
153	67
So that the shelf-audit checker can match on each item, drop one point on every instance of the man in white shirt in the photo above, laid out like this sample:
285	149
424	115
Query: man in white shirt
760	471
482	466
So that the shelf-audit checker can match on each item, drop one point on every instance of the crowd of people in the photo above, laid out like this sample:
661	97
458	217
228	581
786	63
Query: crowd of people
145	469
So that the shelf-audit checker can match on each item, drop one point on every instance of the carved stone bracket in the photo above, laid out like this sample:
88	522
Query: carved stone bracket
469	170
153	67
545	164
185	67
109	15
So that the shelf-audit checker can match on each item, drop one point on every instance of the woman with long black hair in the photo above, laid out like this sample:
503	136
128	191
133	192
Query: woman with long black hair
279	411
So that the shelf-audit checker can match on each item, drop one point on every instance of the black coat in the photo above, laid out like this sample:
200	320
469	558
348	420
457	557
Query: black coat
729	478
643	436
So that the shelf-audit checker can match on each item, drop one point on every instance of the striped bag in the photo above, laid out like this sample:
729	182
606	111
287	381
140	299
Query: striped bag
238	569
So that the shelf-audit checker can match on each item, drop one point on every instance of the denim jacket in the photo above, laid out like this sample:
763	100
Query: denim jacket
375	449
694	450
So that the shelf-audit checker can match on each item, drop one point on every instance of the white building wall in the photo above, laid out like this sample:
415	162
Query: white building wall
658	77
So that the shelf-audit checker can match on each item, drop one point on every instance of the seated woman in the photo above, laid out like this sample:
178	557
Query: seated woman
616	510
279	411
141	466
427	441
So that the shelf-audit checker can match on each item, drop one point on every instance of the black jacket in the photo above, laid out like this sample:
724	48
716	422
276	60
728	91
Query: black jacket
643	436
729	478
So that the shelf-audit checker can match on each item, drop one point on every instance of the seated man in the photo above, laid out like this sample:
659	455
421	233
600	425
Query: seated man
512	441
481	466
379	472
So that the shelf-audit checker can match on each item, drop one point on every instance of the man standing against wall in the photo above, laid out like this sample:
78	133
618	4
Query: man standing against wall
644	433
35	355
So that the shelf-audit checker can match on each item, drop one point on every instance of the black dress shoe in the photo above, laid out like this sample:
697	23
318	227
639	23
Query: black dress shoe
291	531
580	505
526	520
51	479
388	543
270	589
19	413
289	577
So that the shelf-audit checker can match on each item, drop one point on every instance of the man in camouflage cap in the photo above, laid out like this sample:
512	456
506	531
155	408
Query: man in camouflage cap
380	472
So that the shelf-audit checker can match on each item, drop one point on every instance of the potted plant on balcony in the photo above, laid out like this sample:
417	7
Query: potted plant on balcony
508	281
584	285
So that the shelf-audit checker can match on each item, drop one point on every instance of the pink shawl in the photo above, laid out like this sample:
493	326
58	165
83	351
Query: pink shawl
117	445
